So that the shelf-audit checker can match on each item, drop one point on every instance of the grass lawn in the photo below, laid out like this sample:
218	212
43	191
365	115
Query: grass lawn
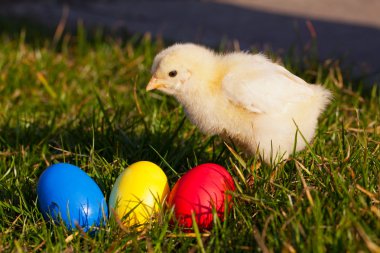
84	102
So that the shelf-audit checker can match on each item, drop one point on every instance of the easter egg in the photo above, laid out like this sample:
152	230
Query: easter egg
138	192
66	192
200	191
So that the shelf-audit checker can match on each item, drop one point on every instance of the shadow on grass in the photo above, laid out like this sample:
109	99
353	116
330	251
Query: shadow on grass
38	143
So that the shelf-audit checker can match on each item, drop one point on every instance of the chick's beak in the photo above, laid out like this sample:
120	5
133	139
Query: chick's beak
153	84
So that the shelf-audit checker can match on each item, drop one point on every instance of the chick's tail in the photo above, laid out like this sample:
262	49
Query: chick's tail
322	98
305	117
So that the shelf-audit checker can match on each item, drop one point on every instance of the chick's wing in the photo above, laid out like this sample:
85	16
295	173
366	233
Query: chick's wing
267	90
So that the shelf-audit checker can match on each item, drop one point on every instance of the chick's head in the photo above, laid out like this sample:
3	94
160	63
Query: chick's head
169	75
178	67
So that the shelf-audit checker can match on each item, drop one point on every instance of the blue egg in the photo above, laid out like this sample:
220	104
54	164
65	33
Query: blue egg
66	192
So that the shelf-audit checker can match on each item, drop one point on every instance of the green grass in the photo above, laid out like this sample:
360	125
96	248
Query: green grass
84	102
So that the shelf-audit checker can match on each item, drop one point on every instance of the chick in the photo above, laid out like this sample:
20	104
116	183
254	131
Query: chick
242	97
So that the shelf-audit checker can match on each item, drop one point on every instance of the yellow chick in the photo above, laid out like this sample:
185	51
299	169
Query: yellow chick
243	97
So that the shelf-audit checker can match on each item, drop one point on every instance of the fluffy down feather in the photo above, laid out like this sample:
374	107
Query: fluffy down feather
245	98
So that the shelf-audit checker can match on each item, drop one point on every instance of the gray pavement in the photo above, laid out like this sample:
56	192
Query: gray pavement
346	29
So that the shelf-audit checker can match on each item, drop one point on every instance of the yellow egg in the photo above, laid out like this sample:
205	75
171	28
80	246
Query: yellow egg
138	192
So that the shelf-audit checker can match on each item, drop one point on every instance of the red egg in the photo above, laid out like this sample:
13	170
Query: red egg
201	190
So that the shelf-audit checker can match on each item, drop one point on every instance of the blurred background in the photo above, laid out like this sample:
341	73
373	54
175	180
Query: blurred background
344	30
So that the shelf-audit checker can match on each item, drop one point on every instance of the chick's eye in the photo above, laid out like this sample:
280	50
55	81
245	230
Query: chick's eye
173	73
